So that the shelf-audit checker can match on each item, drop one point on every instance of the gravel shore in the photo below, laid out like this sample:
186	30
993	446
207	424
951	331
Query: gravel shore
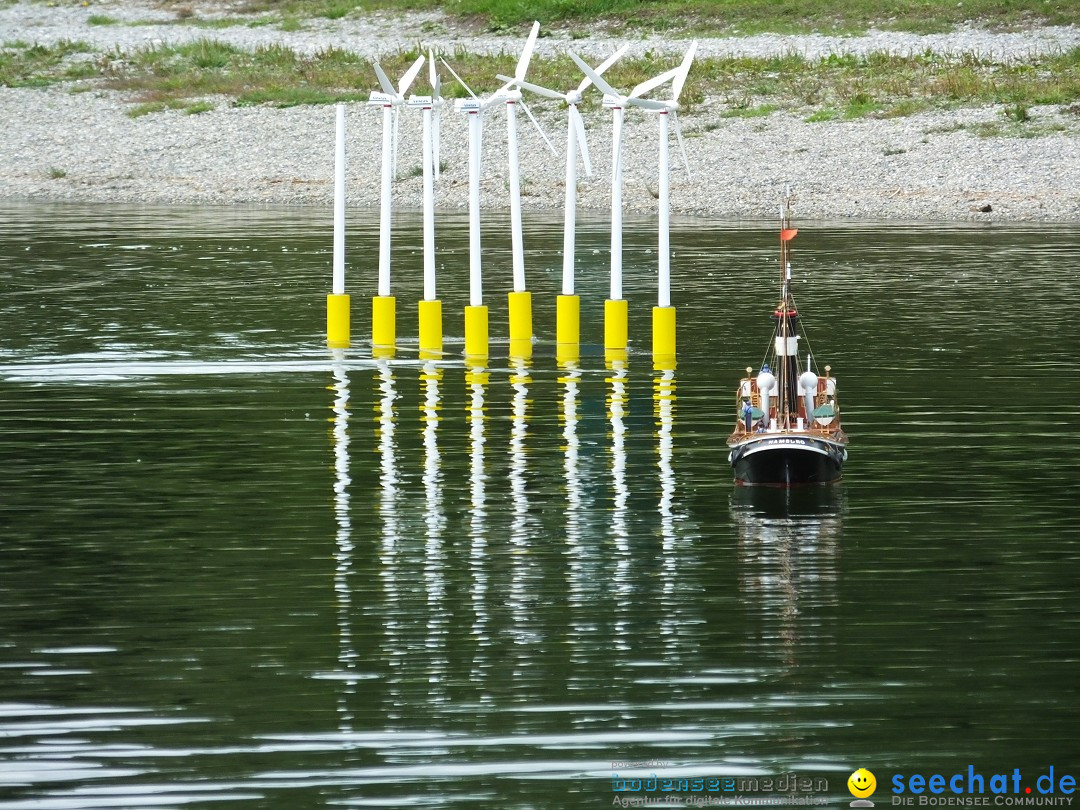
60	145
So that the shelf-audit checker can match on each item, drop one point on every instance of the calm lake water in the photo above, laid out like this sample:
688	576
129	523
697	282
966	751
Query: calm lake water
241	571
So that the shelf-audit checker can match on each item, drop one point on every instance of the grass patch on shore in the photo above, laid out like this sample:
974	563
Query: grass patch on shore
834	87
26	65
726	16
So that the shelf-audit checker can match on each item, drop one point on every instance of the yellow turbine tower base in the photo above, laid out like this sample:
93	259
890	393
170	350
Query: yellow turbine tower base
476	332
383	322
520	307
663	333
337	321
568	321
615	327
431	334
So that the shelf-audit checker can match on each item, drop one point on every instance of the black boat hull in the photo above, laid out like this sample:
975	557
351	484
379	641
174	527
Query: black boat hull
786	461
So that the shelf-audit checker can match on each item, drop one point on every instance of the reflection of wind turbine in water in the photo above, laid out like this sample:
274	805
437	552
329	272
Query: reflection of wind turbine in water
788	547
476	378
343	556
664	412
617	400
519	531
435	520
575	550
388	557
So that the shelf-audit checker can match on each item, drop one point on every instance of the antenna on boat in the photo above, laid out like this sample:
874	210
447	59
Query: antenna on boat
390	99
568	306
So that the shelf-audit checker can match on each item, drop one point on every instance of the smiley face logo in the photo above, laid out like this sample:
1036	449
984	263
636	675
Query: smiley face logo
862	783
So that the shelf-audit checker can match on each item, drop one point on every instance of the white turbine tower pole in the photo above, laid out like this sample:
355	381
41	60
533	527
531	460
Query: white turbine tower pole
436	110
386	200
339	203
429	309
617	114
476	290
429	209
664	237
383	317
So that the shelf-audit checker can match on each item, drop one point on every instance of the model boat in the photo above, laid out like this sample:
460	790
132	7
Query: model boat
788	431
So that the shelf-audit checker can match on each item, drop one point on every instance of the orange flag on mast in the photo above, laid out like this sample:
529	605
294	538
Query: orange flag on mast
787	234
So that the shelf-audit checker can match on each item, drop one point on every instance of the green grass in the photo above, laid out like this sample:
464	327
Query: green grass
835	87
24	65
101	19
704	16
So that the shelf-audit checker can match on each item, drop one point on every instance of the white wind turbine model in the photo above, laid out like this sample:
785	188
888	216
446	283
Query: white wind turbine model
665	108
511	94
391	100
575	140
430	308
520	306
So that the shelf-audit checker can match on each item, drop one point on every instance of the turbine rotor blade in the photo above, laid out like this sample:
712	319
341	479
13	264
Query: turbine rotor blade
535	88
539	128
597	79
653	83
682	146
384	80
583	144
410	74
433	76
684	70
459	79
611	60
526	54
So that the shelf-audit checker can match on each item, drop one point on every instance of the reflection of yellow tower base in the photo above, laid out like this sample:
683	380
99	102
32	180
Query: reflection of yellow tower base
476	332
337	321
521	349
430	316
567	354
615	358
615	328
663	333
383	321
520	308
568	320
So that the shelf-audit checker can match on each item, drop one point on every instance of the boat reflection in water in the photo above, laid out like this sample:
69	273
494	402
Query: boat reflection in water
788	543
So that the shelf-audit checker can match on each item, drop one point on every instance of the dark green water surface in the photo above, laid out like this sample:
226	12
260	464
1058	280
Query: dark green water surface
238	570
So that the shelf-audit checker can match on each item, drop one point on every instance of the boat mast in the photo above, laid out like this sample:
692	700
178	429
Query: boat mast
787	338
